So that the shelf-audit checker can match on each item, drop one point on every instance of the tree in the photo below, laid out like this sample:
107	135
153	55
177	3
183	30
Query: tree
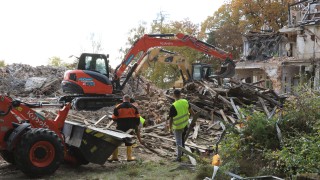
96	43
222	30
2	63
258	13
164	75
236	17
133	35
55	61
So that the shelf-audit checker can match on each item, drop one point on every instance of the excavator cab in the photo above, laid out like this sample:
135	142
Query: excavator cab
91	76
89	84
201	71
94	62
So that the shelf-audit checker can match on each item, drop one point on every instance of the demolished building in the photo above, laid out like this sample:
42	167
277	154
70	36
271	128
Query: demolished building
288	58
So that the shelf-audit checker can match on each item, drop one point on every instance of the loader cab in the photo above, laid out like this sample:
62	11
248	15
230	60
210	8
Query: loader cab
94	62
201	71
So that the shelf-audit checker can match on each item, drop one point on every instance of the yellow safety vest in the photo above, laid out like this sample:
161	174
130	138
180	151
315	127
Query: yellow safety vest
142	120
180	121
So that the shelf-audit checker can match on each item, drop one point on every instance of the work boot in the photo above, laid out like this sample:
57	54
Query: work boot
129	154
114	155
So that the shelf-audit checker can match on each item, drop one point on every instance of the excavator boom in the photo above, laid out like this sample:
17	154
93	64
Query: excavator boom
142	45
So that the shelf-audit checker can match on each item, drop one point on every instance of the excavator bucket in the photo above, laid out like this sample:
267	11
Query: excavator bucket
227	69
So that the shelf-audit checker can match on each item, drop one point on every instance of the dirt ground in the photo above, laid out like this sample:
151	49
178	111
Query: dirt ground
147	166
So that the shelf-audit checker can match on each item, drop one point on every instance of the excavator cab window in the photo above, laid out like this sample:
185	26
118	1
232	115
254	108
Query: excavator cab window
88	63
207	71
94	62
200	71
196	72
101	66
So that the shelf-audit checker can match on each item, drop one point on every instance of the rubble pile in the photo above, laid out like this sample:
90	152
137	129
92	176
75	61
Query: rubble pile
25	80
216	105
152	102
225	103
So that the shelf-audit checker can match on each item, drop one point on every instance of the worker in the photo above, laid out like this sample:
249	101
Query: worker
127	117
179	120
141	124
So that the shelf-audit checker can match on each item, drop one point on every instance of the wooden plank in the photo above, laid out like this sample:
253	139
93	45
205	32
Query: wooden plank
192	160
194	119
223	115
109	124
264	107
211	125
232	119
157	125
258	93
212	115
193	155
196	130
235	108
240	111
215	94
100	120
272	112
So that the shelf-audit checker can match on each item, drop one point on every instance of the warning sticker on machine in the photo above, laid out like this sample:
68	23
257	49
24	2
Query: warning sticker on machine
87	81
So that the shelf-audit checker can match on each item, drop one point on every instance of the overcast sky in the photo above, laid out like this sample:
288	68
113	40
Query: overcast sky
32	31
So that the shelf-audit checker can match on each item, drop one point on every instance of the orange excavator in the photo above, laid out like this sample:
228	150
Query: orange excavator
93	86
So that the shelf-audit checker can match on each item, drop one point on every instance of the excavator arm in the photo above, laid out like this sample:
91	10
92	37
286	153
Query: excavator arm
162	56
141	46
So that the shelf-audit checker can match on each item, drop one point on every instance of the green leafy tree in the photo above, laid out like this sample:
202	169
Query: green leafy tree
55	61
171	72
58	62
133	35
2	63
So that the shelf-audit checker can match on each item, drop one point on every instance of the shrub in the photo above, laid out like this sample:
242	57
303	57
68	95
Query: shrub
256	150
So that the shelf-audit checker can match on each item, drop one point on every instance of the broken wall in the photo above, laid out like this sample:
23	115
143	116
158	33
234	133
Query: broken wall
290	78
252	72
308	46
263	46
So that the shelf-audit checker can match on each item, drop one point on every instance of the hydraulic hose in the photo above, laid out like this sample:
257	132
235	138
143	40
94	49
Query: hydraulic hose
5	113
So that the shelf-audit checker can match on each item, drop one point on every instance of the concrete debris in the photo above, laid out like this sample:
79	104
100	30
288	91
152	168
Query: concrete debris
25	80
34	83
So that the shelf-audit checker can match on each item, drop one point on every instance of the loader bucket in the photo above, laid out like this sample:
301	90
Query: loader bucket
227	69
95	144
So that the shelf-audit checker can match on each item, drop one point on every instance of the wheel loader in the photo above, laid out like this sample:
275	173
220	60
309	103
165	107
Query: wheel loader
38	146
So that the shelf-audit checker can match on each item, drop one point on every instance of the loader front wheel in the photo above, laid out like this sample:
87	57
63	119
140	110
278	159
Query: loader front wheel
7	156
39	152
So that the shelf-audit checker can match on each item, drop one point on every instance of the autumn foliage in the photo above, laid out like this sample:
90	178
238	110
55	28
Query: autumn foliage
237	17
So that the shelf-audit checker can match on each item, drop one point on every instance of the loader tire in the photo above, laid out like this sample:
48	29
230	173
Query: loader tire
8	156
39	152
